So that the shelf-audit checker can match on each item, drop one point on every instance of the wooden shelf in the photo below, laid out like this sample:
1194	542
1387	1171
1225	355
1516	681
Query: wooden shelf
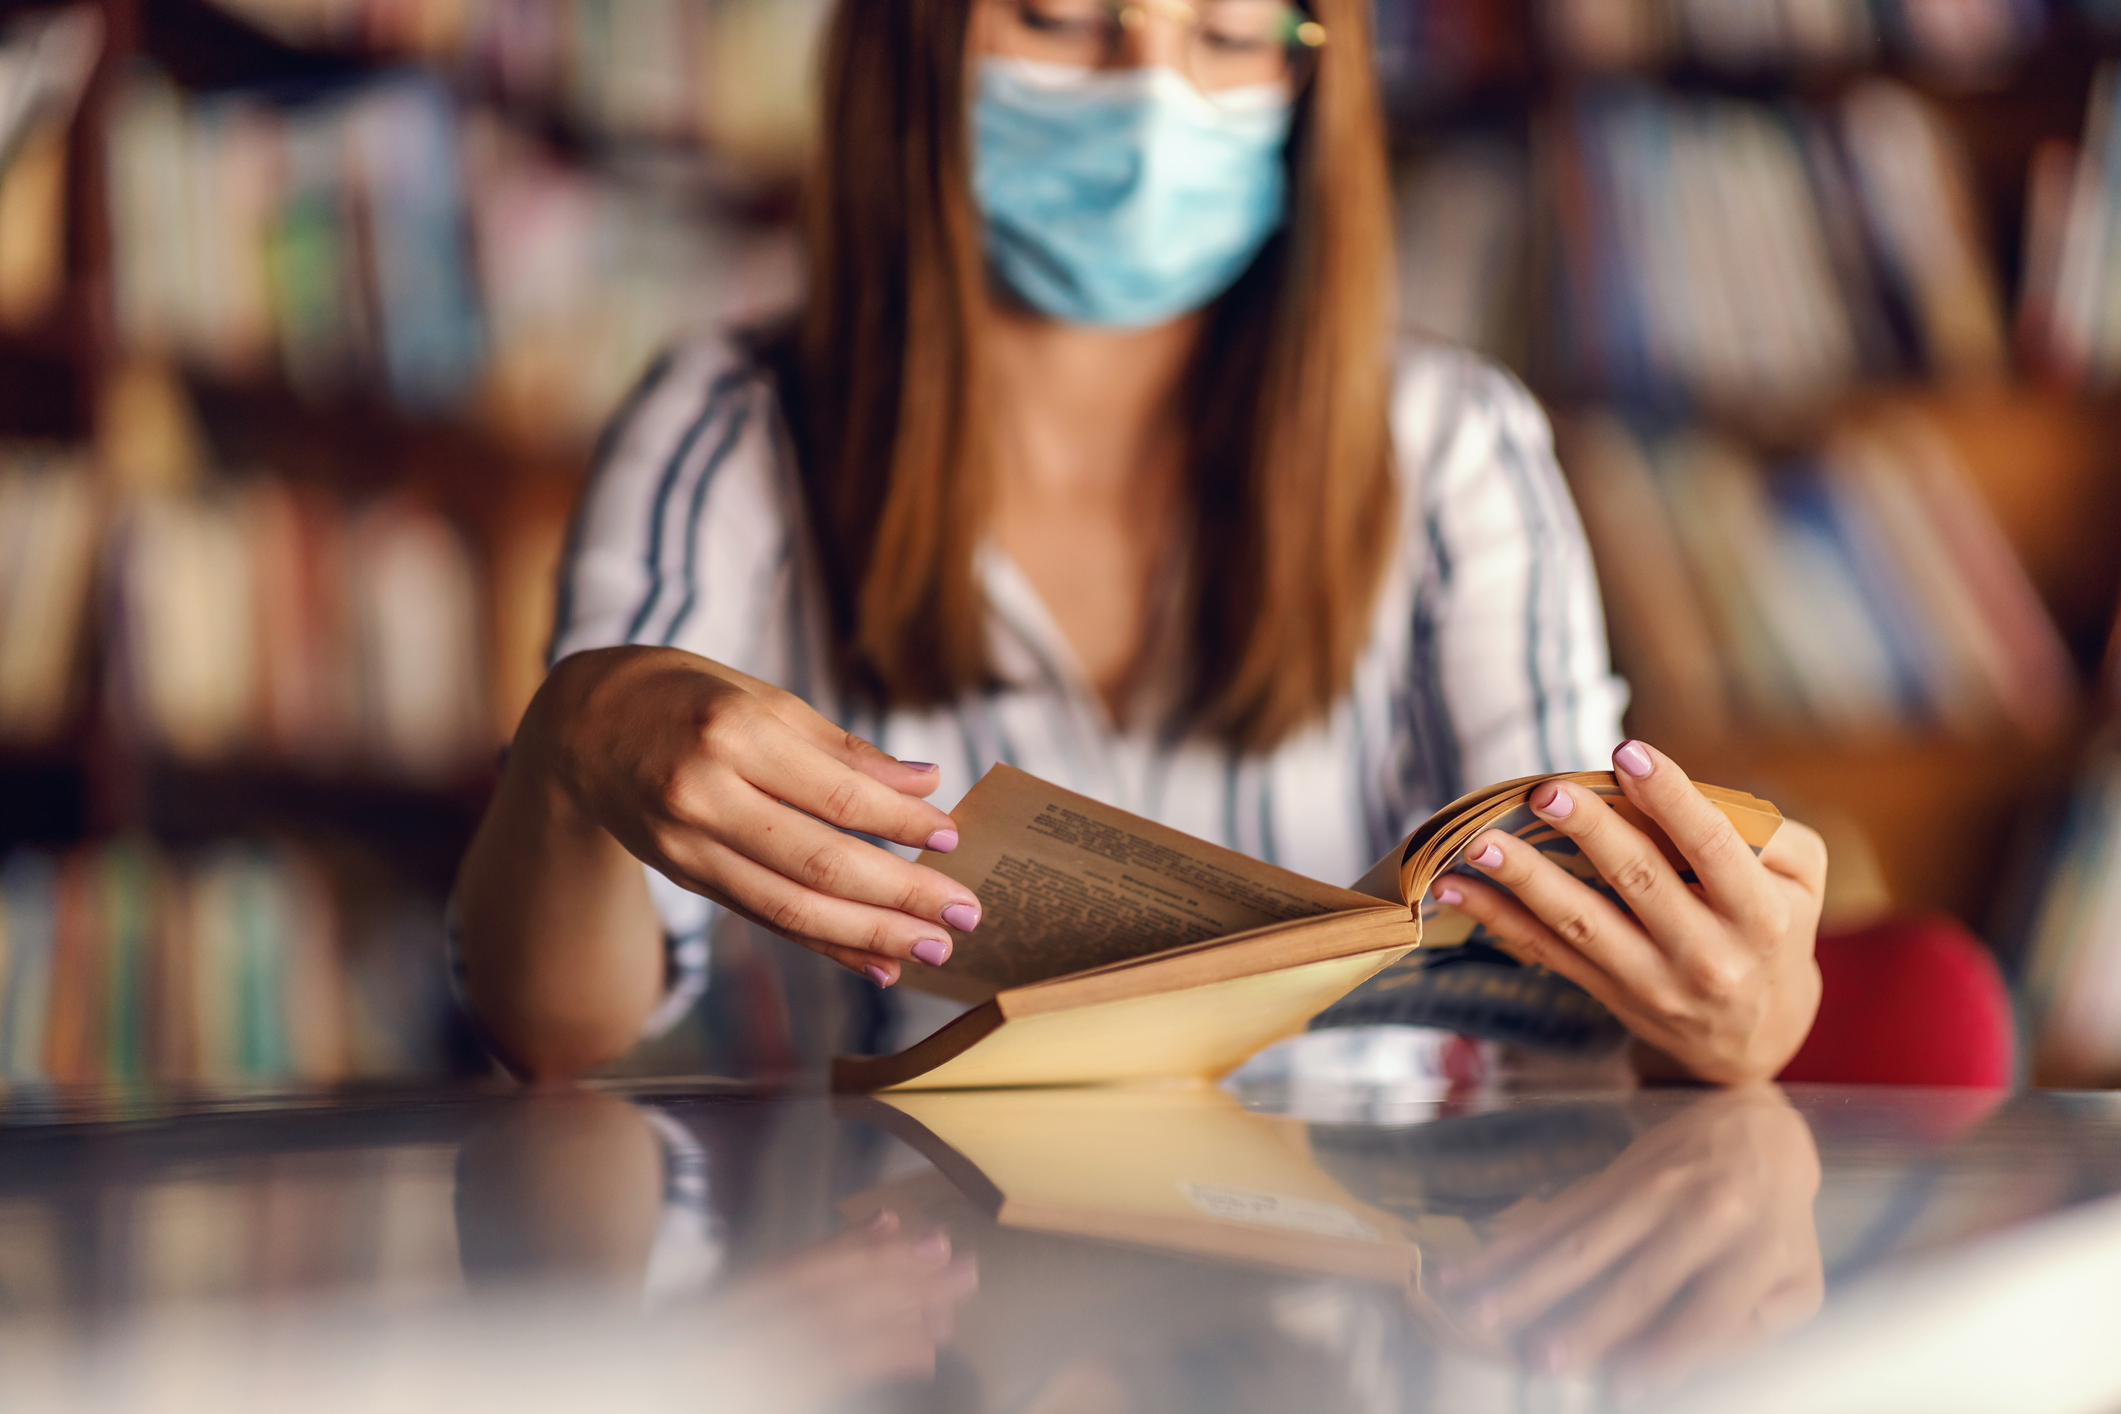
203	46
362	443
54	797
42	393
44	799
422	830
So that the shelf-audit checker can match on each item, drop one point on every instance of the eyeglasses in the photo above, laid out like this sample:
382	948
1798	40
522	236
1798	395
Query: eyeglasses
1225	44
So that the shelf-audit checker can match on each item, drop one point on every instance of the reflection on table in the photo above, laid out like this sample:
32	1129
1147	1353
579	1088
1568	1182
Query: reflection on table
1101	1251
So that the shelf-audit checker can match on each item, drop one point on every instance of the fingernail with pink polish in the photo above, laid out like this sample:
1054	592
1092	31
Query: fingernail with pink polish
962	916
1632	759
933	951
1557	804
1489	856
943	841
1446	894
918	765
878	975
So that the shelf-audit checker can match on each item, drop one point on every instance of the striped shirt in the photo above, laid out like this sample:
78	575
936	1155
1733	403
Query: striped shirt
1486	657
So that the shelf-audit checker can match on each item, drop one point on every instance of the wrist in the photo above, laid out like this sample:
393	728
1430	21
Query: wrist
542	773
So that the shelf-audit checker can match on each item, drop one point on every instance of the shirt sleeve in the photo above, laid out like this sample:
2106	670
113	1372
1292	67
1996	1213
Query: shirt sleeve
679	539
1510	675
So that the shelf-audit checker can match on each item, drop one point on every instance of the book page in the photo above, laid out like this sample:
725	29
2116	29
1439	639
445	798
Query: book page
1066	883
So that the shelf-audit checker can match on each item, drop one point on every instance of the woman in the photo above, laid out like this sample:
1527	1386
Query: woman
1088	453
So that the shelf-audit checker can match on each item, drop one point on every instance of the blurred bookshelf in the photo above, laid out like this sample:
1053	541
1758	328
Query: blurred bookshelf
309	315
310	310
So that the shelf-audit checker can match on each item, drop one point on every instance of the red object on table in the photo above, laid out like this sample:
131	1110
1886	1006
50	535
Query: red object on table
1911	1001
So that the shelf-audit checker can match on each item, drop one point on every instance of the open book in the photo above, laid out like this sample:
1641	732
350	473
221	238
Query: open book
1113	949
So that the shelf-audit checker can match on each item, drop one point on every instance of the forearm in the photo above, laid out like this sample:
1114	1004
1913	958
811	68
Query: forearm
562	949
721	782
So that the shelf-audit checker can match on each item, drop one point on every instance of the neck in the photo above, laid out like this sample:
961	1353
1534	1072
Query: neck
1086	410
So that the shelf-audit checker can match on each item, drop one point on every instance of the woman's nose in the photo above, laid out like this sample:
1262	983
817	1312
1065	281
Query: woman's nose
1154	35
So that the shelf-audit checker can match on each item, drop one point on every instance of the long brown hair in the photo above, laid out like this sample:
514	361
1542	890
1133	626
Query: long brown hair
1292	489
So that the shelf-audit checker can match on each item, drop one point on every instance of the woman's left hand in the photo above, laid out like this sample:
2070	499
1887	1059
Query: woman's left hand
1718	976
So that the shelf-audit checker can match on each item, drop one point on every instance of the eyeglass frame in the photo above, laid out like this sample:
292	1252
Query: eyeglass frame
1305	36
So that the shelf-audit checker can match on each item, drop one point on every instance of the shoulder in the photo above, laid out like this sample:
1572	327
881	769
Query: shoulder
1476	463
1455	414
701	417
712	376
687	509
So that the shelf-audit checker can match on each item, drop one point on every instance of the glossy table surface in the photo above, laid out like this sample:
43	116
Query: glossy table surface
679	1246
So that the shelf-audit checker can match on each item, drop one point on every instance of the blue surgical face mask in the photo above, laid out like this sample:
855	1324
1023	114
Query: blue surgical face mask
1125	198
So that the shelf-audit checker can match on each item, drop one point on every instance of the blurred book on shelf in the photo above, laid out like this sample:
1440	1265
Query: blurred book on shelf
325	243
327	235
253	619
585	278
2069	322
244	619
244	962
1967	41
1633	35
2071	968
51	516
1464	214
1757	259
733	76
45	63
1433	54
1865	589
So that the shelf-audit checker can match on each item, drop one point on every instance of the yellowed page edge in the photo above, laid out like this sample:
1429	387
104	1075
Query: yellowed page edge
1193	1034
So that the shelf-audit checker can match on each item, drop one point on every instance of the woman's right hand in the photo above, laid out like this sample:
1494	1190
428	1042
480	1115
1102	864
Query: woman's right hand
737	790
